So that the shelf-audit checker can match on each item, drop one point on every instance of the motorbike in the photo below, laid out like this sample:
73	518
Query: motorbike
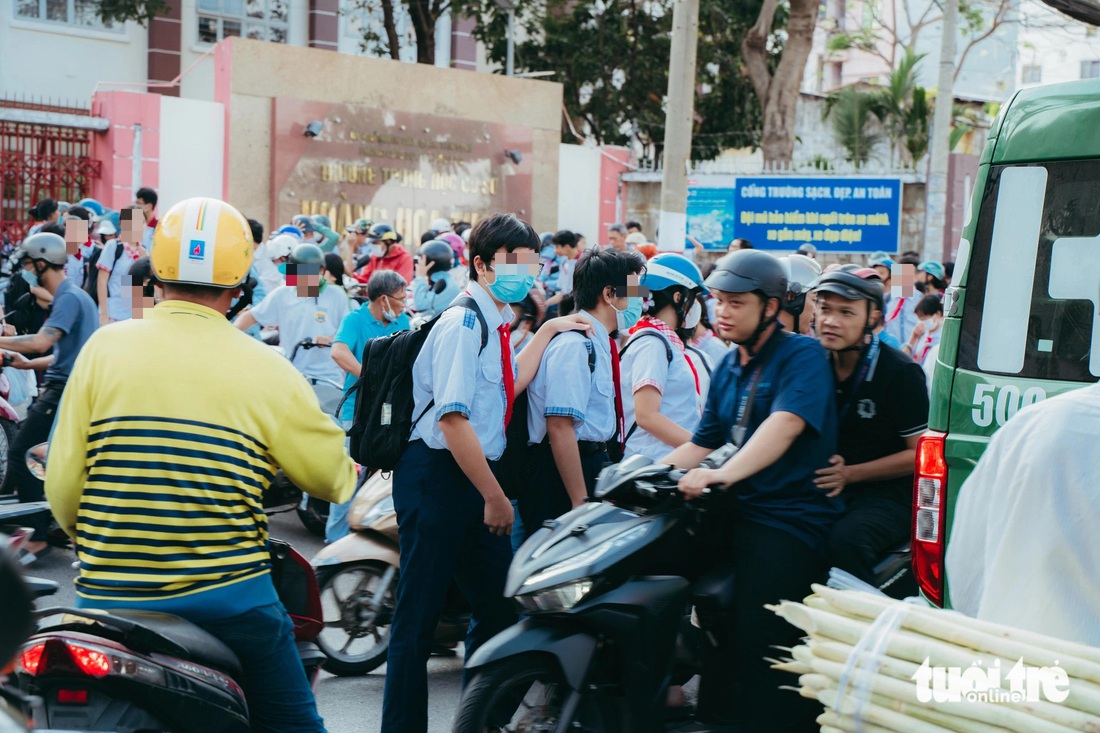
603	639
9	420
135	671
358	579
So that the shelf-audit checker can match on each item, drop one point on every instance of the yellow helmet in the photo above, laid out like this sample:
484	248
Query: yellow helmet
202	241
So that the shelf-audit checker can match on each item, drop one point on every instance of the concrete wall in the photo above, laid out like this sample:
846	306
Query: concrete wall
250	74
192	141
579	191
126	166
63	62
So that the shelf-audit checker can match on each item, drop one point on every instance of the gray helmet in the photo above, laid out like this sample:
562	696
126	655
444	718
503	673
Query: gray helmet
806	249
748	271
307	254
850	286
43	246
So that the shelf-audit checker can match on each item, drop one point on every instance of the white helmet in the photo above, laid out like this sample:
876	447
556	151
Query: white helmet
281	246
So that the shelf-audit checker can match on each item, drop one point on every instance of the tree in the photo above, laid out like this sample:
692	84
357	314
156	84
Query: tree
902	107
852	112
777	85
612	58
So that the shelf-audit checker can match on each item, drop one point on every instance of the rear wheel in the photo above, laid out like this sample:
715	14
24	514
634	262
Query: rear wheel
314	516
7	437
357	632
528	693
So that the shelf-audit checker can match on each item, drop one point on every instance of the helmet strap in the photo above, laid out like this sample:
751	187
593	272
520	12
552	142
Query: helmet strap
761	327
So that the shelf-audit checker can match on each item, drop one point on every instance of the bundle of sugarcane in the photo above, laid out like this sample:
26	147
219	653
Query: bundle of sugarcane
885	666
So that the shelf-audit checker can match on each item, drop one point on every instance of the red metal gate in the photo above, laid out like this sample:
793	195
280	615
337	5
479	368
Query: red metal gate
40	161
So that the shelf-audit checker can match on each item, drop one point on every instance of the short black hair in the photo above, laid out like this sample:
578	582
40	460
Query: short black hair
462	226
949	269
427	236
634	225
257	230
599	269
335	265
79	212
909	258
147	195
497	232
127	214
741	243
565	238
43	210
929	305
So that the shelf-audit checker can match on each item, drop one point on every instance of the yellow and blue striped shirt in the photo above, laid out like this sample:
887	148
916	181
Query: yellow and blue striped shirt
169	432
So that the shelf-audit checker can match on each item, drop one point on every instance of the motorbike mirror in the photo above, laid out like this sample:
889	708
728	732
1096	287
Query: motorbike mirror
36	460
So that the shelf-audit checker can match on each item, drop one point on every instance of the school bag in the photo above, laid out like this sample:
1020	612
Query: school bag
513	470
91	272
668	353
383	418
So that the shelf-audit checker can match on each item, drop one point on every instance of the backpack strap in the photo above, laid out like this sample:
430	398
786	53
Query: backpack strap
468	302
703	358
648	332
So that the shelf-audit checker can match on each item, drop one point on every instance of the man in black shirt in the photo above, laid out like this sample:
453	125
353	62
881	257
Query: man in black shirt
882	408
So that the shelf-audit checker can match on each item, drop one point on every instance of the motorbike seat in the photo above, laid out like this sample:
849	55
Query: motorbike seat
714	591
202	646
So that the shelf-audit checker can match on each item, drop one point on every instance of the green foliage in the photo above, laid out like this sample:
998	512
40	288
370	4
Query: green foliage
120	11
902	107
851	110
612	58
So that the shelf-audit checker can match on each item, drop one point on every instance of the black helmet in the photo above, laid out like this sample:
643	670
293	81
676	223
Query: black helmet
307	254
440	253
748	271
378	230
850	287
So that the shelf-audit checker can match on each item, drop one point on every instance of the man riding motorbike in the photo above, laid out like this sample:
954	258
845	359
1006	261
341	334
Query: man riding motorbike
770	527
162	487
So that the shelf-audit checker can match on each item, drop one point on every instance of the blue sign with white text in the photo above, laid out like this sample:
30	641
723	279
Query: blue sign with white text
833	214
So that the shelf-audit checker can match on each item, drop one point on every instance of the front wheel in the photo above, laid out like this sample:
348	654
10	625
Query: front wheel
528	693
356	636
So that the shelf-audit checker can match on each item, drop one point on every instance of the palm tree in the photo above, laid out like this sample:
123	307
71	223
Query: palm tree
902	107
851	110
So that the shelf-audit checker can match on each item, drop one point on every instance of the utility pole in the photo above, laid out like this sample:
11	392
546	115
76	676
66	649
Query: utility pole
679	119
509	6
935	216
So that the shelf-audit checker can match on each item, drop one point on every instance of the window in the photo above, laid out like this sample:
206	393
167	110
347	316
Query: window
70	12
1033	75
264	20
1036	320
1090	69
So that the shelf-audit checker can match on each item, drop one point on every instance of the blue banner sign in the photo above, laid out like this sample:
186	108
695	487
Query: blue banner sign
852	215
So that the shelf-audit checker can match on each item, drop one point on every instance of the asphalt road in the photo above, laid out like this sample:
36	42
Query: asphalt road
348	704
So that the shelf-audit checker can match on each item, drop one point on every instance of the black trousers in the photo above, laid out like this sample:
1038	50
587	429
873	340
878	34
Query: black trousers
33	430
870	528
544	497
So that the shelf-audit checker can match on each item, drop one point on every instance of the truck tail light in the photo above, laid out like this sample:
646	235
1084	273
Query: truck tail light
929	515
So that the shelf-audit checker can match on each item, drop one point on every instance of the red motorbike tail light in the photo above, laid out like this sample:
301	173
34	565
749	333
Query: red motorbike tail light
31	658
72	697
91	662
930	516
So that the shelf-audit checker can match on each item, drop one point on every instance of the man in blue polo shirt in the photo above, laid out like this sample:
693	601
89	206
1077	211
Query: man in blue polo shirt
772	396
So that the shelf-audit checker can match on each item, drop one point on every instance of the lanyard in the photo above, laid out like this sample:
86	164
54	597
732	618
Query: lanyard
865	366
744	408
896	310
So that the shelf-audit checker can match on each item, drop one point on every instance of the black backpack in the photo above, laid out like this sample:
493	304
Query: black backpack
383	419
91	272
513	470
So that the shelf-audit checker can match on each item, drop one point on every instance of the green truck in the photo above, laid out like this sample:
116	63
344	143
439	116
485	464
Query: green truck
1022	317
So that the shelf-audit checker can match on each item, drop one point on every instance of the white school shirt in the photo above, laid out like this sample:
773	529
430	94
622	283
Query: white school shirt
1024	545
119	308
713	347
563	386
449	370
646	364
300	318
901	317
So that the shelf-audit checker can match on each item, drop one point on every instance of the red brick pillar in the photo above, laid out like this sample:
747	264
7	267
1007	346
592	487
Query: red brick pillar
324	24
165	33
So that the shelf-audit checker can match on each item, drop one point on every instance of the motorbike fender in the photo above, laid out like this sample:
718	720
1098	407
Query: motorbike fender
574	650
6	410
356	547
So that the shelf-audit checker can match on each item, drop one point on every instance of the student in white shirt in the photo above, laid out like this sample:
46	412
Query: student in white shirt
574	411
663	392
307	307
454	518
114	266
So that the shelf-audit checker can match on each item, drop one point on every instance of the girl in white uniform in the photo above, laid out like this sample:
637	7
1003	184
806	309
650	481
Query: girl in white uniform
662	387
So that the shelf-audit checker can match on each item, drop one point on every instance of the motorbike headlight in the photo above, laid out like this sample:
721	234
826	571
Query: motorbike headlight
559	598
587	557
381	508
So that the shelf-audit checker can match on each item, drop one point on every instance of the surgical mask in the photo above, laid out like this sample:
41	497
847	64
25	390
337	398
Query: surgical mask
691	320
626	318
282	269
388	314
377	250
29	277
511	288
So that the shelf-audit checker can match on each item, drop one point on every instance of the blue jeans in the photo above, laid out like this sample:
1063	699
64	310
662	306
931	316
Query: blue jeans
337	525
279	696
442	534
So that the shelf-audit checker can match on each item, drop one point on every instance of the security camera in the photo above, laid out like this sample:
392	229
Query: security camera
514	155
313	129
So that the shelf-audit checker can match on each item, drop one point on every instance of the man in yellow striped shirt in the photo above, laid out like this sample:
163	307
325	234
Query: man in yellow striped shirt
160	482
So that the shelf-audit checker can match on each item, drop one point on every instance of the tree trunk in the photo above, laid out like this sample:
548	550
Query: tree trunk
391	30
778	92
423	21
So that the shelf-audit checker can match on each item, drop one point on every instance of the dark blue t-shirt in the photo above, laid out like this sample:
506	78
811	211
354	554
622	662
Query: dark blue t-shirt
795	377
74	313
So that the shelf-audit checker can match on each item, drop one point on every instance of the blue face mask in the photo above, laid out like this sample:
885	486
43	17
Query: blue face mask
29	277
508	288
282	269
626	318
